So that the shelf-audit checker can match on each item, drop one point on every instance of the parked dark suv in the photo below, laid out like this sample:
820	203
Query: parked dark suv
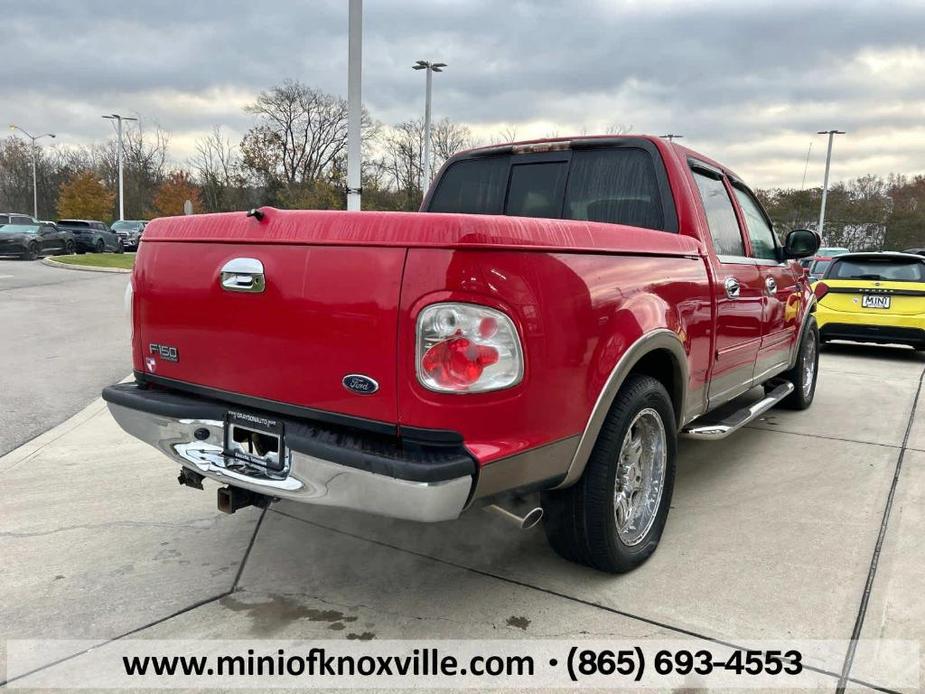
29	241
130	231
92	236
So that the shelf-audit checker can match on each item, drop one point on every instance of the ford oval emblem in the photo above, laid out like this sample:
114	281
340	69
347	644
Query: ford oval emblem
358	383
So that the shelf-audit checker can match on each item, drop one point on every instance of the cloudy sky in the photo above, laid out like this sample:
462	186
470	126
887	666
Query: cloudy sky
746	82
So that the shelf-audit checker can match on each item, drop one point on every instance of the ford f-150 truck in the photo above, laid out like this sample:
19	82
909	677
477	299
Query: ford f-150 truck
557	314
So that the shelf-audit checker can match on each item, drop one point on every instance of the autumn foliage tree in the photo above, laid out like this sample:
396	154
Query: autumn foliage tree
173	193
84	196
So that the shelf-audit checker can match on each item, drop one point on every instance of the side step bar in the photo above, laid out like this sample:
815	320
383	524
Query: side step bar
720	429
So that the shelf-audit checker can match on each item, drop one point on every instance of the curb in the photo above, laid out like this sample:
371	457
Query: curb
29	448
83	268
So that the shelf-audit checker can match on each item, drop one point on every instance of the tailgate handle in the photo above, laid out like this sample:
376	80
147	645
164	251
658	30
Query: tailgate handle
243	275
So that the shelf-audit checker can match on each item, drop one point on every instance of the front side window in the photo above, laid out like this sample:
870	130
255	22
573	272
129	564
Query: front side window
759	231
721	217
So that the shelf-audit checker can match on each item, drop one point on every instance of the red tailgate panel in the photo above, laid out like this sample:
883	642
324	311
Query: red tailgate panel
326	312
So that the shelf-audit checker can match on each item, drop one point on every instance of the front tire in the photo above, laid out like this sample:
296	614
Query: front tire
805	372
100	247
612	518
31	252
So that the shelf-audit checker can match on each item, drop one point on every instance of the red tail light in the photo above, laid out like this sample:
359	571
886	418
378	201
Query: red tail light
457	362
467	348
821	290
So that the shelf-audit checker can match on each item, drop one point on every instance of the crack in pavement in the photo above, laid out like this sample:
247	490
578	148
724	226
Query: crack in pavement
878	547
555	593
161	620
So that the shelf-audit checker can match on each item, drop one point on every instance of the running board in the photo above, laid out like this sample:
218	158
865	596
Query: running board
720	429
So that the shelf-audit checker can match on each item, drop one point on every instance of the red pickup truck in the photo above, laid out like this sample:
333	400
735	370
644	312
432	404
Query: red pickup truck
557	314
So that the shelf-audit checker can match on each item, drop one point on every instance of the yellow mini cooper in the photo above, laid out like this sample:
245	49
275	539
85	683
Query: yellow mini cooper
873	297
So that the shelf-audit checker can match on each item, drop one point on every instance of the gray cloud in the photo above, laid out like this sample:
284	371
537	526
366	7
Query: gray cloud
746	82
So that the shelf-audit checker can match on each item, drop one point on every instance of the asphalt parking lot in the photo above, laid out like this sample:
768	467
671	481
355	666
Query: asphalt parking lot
772	535
63	334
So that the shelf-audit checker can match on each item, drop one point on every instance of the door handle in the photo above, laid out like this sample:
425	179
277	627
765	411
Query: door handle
243	275
733	289
771	284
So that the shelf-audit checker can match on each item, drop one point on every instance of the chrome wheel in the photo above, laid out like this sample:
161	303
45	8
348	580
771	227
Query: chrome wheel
640	476
809	365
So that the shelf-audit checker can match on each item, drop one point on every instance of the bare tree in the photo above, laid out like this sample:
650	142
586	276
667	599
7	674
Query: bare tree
217	165
403	149
447	139
505	136
299	133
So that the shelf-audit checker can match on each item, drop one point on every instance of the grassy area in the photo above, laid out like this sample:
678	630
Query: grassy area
124	260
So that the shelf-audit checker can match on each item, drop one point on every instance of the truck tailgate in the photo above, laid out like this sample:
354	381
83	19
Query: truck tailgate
325	312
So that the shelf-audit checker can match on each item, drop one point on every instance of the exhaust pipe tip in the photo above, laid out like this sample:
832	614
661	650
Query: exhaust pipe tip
530	520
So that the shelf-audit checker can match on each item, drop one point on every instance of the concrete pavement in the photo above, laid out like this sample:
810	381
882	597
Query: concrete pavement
63	337
776	532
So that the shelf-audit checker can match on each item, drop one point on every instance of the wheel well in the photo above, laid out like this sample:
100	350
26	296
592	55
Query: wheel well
661	365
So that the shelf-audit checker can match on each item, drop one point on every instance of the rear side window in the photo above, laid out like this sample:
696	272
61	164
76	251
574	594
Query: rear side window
616	186
472	186
885	269
721	217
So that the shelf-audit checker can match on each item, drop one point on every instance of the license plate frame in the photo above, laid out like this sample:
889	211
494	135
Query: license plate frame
878	301
255	439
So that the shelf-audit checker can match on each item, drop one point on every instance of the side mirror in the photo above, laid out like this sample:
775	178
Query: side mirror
801	243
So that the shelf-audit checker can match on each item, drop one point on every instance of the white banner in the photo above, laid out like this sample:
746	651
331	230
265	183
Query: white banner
476	664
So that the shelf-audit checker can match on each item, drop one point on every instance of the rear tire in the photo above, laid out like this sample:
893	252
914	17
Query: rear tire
612	518
100	247
31	252
805	372
69	248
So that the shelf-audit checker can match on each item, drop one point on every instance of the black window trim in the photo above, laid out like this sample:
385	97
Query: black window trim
669	210
739	184
697	166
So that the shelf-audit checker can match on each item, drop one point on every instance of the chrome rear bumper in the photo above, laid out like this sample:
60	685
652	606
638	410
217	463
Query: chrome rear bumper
309	479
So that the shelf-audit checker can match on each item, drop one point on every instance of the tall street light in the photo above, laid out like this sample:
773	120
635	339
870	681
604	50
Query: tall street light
118	119
825	182
35	189
354	103
431	68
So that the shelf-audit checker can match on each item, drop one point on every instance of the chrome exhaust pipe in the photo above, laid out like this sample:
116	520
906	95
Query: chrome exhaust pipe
530	520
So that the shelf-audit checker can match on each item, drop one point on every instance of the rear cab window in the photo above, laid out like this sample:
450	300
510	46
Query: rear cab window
624	183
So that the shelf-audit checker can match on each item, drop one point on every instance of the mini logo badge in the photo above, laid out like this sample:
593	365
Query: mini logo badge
358	383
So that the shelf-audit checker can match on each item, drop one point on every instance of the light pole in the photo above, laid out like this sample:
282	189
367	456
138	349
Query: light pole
431	68
354	104
825	181
118	119
35	189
